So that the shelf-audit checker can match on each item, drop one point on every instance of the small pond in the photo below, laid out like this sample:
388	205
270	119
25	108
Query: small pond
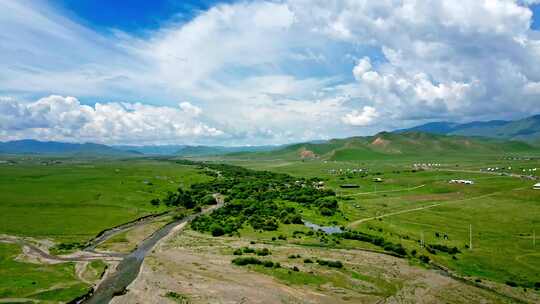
325	229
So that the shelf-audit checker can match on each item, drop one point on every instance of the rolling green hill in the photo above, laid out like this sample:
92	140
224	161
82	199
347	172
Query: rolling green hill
392	145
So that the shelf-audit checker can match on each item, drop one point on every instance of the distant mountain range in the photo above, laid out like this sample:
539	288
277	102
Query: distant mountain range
435	137
29	146
153	150
186	150
527	129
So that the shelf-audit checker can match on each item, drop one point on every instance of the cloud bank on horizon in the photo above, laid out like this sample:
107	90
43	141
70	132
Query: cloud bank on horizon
261	72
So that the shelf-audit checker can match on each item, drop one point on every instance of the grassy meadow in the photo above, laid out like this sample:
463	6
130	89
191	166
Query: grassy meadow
503	211
74	200
37	281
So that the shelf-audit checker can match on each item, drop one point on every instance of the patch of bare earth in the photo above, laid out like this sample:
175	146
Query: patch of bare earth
380	142
199	268
128	240
306	154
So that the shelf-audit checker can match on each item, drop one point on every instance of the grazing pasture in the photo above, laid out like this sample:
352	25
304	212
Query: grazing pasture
402	207
74	200
415	207
65	202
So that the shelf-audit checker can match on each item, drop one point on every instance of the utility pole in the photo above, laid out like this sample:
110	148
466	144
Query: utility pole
534	238
470	236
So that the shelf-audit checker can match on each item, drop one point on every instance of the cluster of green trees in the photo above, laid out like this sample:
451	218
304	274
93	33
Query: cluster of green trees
188	199
256	198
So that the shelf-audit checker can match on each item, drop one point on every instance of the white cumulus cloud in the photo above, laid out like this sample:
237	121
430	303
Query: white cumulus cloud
361	118
270	71
190	109
65	118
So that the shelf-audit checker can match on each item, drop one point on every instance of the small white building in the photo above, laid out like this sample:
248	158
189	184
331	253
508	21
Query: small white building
536	186
461	181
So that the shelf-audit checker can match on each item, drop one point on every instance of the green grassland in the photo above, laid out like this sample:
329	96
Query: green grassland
71	200
28	280
502	210
74	200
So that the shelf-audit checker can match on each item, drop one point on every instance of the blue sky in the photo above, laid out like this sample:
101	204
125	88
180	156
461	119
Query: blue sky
536	16
261	72
137	16
133	16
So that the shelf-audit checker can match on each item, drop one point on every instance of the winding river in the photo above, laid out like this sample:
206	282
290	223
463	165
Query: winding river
128	269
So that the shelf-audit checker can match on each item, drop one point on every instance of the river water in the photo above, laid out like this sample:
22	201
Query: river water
325	229
128	269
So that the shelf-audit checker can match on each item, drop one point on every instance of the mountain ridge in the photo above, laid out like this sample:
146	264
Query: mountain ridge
31	146
386	145
525	129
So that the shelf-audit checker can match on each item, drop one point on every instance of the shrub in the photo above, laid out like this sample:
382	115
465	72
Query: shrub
246	261
308	261
263	252
248	250
238	252
268	264
397	248
179	216
178	298
333	264
295	269
511	284
217	230
209	200
325	211
443	248
424	259
69	246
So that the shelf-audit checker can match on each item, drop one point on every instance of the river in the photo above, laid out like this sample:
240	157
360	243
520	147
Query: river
128	269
